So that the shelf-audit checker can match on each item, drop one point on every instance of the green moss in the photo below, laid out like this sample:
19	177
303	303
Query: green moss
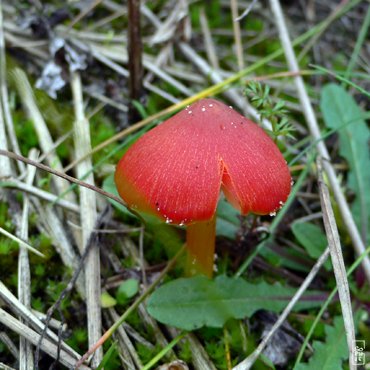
254	24
185	353
26	134
216	351
7	246
146	353
78	339
38	304
3	214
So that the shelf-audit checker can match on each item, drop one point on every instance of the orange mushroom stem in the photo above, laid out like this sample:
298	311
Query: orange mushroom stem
200	243
176	171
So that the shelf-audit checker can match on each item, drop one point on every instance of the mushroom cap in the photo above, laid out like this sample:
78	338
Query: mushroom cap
177	169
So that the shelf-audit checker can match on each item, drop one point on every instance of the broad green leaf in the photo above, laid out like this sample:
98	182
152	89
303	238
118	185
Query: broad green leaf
341	112
312	238
195	302
329	355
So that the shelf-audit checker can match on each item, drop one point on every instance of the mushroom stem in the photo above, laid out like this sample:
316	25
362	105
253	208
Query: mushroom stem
200	243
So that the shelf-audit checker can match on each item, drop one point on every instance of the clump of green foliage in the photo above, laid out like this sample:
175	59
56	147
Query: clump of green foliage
276	113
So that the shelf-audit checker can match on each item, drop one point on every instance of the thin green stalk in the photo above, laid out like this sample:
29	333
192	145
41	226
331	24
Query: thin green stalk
345	80
163	352
360	41
325	306
324	136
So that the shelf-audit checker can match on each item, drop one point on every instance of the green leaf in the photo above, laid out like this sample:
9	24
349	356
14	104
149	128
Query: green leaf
228	222
127	290
312	238
108	357
198	301
341	112
108	183
110	187
329	355
165	237
107	300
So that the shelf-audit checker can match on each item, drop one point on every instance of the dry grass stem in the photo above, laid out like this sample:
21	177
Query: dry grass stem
62	175
316	134
44	137
28	316
5	170
338	262
237	34
152	325
128	349
135	58
192	56
160	61
53	323
115	54
5	367
24	274
21	242
88	217
107	56
247	10
209	44
30	335
5	339
232	94
46	142
200	358
167	30
41	194
5	111
54	227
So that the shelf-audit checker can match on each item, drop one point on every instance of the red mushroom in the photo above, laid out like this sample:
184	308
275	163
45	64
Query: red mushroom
176	171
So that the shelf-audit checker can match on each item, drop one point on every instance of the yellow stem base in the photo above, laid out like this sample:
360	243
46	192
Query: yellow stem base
200	243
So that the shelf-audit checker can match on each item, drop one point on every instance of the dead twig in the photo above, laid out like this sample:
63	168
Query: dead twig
135	65
62	175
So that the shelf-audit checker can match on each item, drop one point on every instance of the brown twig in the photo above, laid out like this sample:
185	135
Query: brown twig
135	65
62	175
